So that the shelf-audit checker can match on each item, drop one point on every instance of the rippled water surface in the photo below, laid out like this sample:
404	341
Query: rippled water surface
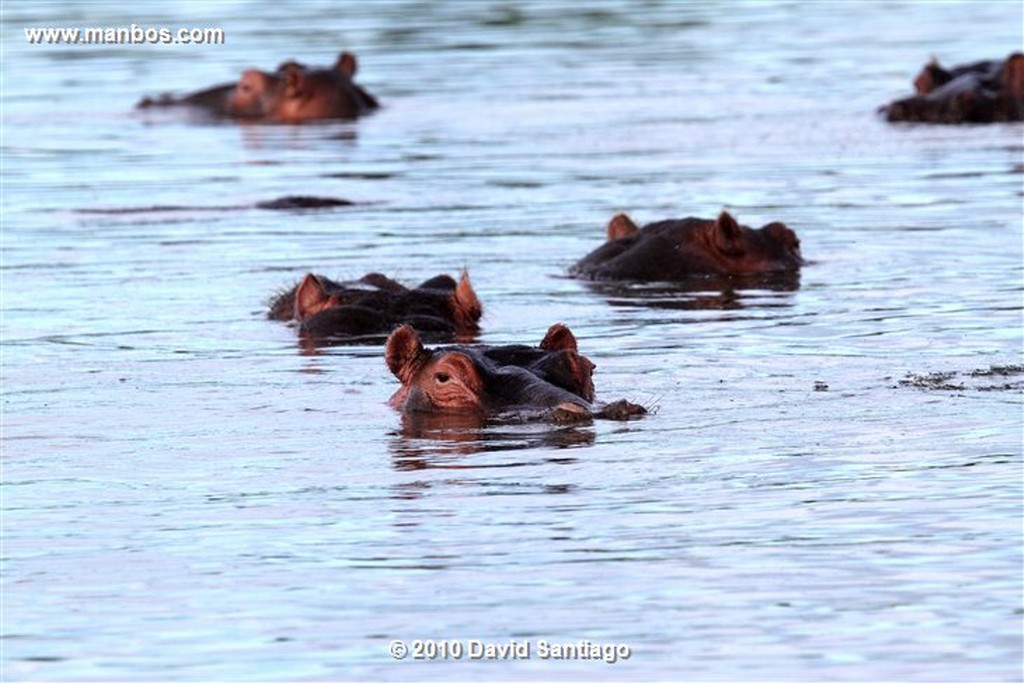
829	487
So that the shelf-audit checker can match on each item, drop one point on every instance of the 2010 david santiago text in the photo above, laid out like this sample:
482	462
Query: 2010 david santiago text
455	649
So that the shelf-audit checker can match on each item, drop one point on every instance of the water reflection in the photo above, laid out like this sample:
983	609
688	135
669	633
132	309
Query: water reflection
310	345
272	137
429	440
722	293
316	346
415	490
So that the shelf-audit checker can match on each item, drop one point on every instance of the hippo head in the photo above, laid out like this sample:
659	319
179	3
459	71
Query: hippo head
678	249
742	250
375	304
296	93
316	94
490	379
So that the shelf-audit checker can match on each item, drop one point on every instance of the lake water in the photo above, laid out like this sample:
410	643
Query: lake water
829	486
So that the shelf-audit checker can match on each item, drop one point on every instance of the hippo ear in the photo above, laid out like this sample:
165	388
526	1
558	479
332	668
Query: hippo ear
1013	76
293	79
727	227
466	306
310	297
403	353
931	77
621	226
346	64
558	338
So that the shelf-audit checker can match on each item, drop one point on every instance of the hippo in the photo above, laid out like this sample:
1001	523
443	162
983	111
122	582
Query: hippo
294	93
980	92
674	250
291	202
551	381
374	304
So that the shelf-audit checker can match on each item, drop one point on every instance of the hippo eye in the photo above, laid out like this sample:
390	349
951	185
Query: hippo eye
442	377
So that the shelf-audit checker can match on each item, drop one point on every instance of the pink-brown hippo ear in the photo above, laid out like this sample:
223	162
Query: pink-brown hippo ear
293	79
310	297
404	353
558	338
924	82
1013	75
727	230
346	64
621	226
465	306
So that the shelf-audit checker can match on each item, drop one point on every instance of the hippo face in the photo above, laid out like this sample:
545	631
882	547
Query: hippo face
375	304
680	249
251	96
486	380
317	94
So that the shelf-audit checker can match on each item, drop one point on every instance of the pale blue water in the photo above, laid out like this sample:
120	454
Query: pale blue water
188	495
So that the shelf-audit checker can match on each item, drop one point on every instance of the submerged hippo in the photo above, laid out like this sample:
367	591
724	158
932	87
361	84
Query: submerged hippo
680	249
375	305
980	92
291	202
294	93
551	380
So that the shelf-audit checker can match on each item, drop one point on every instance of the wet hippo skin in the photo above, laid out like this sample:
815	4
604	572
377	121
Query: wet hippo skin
375	304
550	381
683	248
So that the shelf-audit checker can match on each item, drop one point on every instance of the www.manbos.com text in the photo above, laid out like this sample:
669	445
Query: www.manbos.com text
124	35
